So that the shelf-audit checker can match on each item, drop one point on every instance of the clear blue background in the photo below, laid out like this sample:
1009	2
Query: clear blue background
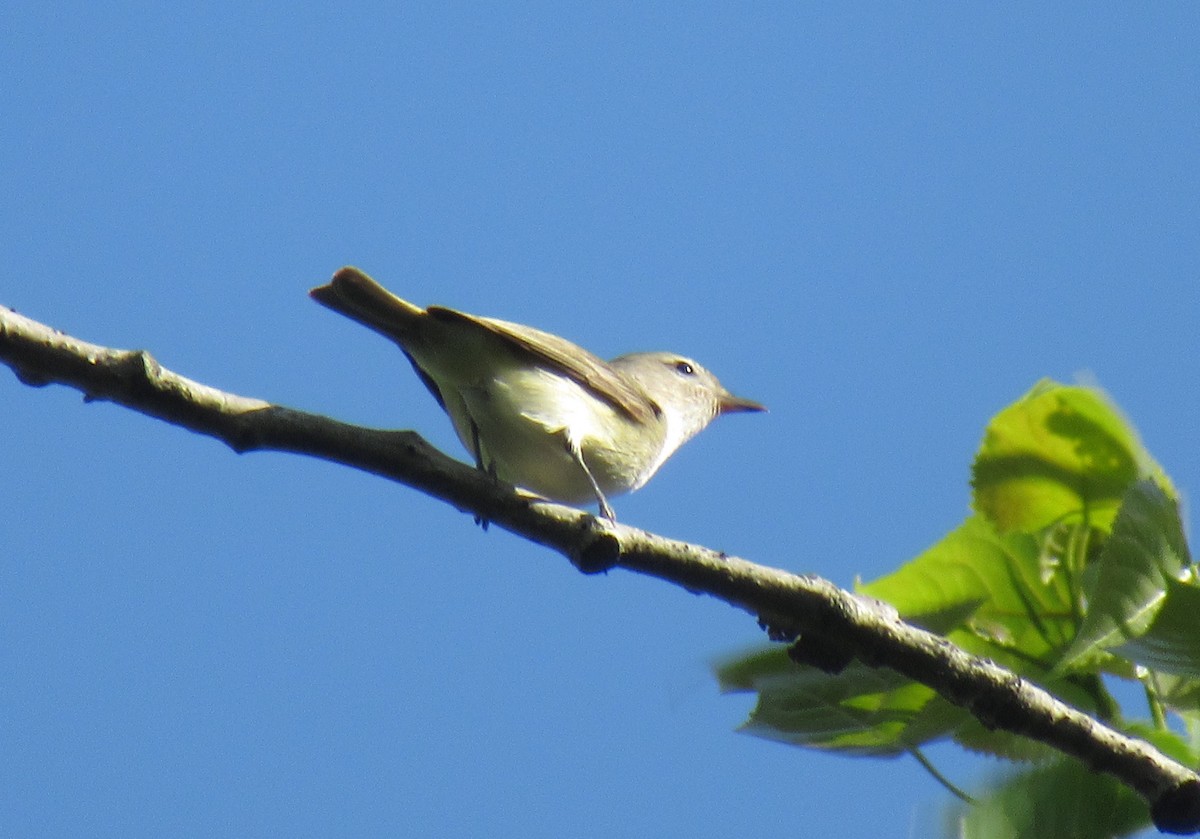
886	223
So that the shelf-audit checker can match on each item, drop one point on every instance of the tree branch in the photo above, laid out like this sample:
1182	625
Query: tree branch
834	624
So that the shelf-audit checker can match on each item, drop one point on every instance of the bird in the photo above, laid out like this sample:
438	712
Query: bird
535	410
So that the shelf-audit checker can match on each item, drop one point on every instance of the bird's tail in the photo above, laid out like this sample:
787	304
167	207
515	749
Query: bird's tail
355	295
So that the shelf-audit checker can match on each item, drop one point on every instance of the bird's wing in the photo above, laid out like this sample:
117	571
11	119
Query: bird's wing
564	357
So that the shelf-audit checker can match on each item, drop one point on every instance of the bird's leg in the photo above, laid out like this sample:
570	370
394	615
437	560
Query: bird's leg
576	453
489	470
477	450
605	510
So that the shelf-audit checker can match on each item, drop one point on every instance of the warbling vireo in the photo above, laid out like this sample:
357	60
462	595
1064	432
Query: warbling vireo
536	410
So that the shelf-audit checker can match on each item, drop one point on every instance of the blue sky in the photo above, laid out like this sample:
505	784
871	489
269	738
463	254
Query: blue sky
885	223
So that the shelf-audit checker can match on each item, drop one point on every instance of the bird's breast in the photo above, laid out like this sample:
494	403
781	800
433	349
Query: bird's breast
529	417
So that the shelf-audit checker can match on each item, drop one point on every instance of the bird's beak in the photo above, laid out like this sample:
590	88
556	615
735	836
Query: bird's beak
730	404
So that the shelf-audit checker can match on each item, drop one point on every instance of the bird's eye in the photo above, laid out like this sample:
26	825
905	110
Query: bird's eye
684	369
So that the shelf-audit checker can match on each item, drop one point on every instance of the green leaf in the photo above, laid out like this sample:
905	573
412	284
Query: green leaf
1058	454
1191	724
1144	552
865	711
1015	616
1052	801
862	710
1172	643
742	673
1181	694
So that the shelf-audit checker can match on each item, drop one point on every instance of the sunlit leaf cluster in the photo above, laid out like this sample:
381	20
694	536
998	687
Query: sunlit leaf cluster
1074	572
